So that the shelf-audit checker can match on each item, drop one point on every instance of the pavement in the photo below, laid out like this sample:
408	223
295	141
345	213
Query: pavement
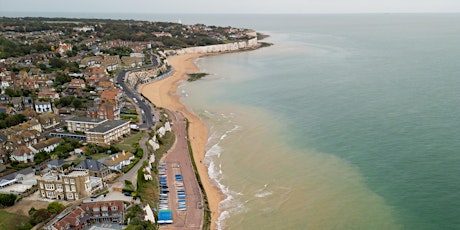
178	161
131	175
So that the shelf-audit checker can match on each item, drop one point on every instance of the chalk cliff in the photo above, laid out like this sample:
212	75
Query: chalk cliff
235	46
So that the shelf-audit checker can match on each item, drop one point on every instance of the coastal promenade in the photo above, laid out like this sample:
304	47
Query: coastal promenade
163	94
178	162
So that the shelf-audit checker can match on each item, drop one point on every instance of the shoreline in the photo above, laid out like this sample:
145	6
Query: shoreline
163	93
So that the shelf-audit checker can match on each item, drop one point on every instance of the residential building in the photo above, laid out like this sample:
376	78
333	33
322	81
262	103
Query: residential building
17	103
118	161
108	132
52	95
77	83
105	211
49	120
28	103
83	124
23	155
94	167
105	110
68	186
76	219
82	216
63	47
43	106
46	146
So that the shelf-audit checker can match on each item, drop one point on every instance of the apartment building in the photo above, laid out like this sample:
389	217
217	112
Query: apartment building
108	132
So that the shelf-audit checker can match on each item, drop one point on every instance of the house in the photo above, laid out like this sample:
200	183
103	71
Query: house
108	132
118	161
95	168
49	120
105	110
112	94
69	186
92	61
19	135
23	155
17	103
111	63
105	211
77	83
63	47
132	61
76	219
46	146
28	103
82	124
82	216
43	106
4	99
52	95
55	164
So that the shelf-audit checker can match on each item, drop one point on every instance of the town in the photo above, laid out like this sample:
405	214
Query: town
79	146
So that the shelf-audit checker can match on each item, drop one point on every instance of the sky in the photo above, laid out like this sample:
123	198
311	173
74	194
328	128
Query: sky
231	6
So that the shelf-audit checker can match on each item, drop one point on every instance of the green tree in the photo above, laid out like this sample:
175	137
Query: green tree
7	199
39	216
55	207
77	103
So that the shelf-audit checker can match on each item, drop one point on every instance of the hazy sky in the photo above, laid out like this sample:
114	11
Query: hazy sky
231	6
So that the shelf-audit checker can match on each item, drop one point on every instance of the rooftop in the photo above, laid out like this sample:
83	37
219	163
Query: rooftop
108	126
86	119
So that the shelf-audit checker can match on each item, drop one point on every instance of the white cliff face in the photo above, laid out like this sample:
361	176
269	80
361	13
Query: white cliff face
235	46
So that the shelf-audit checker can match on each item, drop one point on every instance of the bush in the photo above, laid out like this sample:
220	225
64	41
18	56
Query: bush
55	207
39	216
7	199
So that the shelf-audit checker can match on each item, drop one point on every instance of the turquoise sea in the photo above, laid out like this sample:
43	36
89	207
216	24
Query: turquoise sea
346	122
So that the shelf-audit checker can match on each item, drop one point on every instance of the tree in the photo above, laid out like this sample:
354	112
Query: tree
39	216
77	103
55	207
7	199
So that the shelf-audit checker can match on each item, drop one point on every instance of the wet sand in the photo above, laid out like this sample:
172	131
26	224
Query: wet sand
163	93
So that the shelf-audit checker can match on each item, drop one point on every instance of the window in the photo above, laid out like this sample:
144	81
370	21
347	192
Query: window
59	186
49	186
114	208
50	194
66	180
72	181
96	209
41	185
73	188
67	187
69	195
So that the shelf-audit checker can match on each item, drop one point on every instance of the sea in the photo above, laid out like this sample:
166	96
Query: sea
347	121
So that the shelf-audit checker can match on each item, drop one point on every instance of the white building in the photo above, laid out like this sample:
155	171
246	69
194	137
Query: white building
43	107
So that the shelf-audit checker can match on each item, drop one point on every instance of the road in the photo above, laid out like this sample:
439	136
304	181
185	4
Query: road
131	175
178	161
148	119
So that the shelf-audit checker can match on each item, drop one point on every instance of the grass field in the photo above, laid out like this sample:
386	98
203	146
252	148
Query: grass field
9	221
131	143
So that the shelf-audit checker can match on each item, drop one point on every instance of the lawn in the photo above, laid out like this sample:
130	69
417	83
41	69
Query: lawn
98	156
11	221
130	144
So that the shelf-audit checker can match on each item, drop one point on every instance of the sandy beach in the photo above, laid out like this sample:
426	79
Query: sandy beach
163	94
